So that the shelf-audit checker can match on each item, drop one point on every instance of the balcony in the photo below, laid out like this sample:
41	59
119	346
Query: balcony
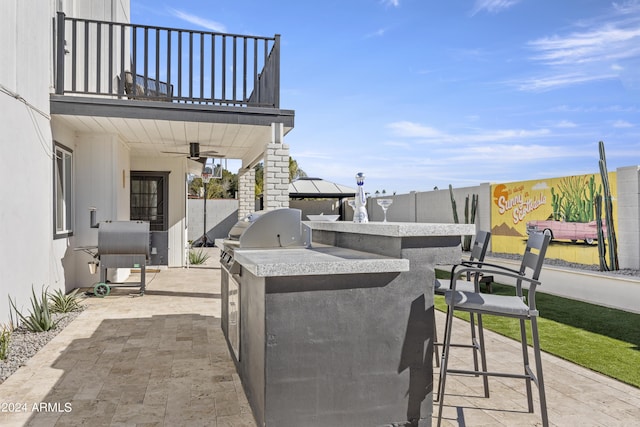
109	75
169	64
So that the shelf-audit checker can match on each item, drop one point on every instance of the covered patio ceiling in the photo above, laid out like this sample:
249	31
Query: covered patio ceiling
152	128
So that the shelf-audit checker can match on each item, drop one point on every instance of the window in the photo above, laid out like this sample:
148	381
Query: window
62	189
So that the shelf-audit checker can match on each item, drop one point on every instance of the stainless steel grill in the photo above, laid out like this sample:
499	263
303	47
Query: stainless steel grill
123	237
278	228
122	244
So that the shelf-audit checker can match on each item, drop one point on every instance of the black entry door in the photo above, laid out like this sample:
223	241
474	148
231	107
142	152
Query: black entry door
149	202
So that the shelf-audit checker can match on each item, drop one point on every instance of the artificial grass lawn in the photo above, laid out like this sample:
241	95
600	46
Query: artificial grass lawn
602	339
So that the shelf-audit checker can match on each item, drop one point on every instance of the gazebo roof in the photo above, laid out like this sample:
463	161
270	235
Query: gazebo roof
318	188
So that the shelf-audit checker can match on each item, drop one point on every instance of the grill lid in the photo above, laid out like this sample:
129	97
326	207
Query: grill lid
278	228
123	237
239	227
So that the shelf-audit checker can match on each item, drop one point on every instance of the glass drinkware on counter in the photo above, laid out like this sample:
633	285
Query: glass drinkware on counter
384	204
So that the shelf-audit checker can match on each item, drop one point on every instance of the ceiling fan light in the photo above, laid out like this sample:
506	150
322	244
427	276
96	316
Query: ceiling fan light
194	150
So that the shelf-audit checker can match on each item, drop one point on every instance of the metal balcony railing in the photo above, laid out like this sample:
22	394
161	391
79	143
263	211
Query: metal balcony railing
129	61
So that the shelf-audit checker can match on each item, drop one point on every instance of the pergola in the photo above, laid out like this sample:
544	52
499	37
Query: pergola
317	188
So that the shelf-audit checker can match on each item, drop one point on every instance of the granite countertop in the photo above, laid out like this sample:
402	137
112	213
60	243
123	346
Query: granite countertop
395	229
317	260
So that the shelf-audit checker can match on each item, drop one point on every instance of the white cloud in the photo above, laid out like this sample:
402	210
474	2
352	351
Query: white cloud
394	3
378	33
492	6
622	124
429	134
197	20
512	153
404	145
601	49
566	124
540	186
314	155
414	130
598	45
544	83
595	109
627	6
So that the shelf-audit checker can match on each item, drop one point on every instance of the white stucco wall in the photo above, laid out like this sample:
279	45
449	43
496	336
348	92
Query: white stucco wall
101	180
101	10
28	254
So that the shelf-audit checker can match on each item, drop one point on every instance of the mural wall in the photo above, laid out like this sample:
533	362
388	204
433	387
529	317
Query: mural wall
563	207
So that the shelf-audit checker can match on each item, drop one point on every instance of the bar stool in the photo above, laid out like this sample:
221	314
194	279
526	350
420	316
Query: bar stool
478	252
501	305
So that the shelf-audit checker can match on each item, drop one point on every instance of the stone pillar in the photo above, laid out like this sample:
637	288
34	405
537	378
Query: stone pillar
275	189
246	192
628	226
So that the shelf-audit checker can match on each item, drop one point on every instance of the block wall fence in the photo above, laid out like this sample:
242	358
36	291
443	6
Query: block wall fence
435	206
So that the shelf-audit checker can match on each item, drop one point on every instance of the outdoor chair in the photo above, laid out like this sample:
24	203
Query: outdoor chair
517	306
134	86
478	252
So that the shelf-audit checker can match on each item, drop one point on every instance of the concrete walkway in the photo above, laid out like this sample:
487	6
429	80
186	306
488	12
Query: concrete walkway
161	360
605	289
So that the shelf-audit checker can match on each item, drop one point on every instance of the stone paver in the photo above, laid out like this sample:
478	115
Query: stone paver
161	360
156	360
575	396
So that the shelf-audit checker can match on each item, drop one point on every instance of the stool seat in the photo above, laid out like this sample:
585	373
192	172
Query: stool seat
486	303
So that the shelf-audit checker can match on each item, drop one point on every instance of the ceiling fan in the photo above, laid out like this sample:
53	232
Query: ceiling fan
195	153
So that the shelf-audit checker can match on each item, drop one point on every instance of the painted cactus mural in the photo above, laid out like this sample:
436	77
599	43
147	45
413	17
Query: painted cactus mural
574	201
563	207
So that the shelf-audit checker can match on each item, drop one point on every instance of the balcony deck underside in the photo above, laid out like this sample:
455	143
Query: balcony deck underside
151	128
157	110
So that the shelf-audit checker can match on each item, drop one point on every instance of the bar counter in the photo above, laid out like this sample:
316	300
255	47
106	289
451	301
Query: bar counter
340	334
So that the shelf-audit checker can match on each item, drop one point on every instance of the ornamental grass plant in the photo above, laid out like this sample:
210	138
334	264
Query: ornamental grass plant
39	319
5	338
61	303
198	257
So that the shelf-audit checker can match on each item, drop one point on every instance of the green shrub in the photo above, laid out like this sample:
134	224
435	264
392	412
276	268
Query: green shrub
5	337
61	303
39	320
198	257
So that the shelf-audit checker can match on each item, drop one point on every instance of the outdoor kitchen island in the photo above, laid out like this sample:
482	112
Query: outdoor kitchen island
339	333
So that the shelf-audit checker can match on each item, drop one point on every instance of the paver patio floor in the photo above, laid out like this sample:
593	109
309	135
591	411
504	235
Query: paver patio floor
156	360
161	360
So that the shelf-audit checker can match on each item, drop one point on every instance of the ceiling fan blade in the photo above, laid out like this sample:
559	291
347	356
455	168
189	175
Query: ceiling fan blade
193	151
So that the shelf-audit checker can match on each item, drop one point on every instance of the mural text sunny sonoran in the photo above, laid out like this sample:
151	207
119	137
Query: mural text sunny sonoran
520	206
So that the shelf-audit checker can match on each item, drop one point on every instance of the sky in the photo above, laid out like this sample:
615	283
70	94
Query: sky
418	94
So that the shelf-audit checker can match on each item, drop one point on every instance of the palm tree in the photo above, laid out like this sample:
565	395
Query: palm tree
294	171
